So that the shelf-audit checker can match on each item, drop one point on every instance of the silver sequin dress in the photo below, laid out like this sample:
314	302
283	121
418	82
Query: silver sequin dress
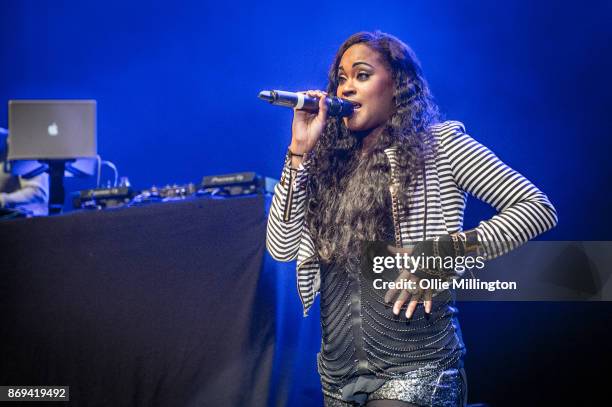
368	353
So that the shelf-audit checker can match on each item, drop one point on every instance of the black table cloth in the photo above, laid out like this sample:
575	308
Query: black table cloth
160	305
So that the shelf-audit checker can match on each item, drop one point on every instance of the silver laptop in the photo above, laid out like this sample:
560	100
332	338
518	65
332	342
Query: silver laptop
52	129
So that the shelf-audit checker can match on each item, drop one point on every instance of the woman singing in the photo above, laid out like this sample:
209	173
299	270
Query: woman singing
392	171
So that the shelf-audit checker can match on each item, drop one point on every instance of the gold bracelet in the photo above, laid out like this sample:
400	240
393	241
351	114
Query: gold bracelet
471	242
455	240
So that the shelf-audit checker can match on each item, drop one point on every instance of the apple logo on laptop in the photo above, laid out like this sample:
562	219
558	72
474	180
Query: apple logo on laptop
53	129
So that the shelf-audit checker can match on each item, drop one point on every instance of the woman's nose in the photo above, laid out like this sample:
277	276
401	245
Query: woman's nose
348	89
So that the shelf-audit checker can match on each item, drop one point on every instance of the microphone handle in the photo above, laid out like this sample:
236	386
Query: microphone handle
295	100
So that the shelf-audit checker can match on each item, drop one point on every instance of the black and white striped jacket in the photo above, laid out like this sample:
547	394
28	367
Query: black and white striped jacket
461	166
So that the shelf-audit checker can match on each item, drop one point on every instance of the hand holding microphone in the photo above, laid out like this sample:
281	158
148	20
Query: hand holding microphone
307	127
311	109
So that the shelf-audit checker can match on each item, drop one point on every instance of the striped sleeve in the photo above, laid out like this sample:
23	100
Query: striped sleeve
523	210
286	217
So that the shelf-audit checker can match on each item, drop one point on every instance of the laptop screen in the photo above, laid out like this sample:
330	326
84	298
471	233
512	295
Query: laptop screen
51	129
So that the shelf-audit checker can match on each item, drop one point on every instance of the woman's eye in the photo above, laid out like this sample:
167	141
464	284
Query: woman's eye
341	79
363	76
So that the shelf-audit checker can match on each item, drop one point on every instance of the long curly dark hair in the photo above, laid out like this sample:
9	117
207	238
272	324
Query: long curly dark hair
349	200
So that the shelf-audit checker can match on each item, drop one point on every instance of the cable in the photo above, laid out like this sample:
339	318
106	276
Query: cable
99	170
114	168
109	164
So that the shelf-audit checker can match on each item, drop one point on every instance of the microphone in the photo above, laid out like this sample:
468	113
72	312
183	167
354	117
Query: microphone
336	106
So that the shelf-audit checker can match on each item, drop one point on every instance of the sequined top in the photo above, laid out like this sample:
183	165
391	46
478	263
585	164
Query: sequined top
362	338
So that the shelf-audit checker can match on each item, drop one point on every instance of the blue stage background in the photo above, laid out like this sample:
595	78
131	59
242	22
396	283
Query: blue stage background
177	84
